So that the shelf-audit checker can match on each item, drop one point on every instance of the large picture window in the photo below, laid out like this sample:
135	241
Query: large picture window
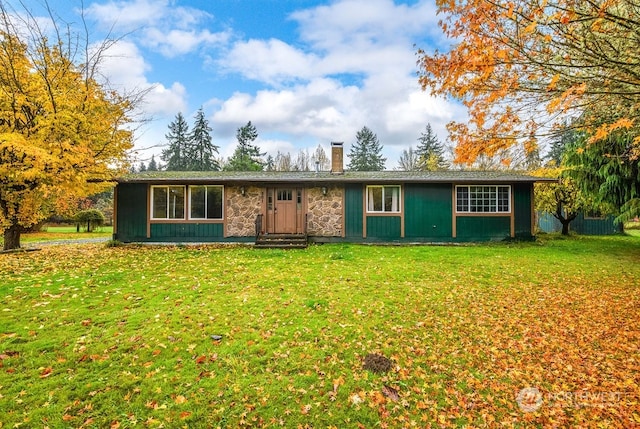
483	199
167	202
205	202
383	199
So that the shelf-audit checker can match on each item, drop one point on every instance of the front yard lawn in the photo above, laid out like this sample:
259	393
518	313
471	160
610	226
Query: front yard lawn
498	335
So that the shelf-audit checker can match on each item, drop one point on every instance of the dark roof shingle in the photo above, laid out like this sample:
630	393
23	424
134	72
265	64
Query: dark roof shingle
447	176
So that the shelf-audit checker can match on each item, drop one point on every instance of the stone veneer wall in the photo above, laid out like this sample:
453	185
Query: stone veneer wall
325	212
241	211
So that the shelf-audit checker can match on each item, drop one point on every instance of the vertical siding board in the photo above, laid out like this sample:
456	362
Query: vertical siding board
595	226
428	211
353	209
522	198
383	227
132	212
187	232
580	225
483	227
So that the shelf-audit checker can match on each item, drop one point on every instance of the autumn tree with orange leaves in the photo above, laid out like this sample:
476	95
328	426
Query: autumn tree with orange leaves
522	67
62	134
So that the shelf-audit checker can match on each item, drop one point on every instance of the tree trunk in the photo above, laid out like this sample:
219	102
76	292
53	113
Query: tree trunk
12	237
564	218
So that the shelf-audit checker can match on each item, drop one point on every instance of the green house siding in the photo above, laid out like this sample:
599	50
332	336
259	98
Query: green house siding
472	228
580	225
427	211
131	216
353	207
595	226
198	232
522	194
383	227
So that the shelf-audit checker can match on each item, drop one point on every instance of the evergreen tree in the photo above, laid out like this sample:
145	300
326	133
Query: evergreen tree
142	168
409	160
201	150
270	164
430	151
567	137
247	156
153	166
366	153
607	171
175	156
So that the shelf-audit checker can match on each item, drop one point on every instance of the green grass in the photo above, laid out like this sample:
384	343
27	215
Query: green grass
92	336
60	233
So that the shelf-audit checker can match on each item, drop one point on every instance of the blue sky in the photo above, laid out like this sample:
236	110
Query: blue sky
303	72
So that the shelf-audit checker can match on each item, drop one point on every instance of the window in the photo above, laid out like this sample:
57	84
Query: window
270	199
206	202
285	195
483	199
383	199
167	202
593	214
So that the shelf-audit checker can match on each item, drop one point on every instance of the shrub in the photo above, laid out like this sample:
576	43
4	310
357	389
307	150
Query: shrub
91	218
114	243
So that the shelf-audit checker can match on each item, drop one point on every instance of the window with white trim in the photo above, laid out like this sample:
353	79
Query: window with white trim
383	199
483	199
167	202
205	202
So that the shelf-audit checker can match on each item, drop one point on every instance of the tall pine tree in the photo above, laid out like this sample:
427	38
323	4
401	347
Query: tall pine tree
366	152
175	156
247	156
430	151
201	152
153	165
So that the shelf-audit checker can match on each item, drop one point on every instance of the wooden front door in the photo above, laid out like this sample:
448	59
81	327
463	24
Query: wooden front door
285	211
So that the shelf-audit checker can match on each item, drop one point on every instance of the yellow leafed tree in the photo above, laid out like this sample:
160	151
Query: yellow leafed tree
61	133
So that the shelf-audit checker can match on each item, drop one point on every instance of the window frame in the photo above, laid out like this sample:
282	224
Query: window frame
153	205
593	214
383	211
491	201
190	217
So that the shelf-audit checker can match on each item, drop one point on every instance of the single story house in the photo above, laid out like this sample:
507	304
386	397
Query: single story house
324	206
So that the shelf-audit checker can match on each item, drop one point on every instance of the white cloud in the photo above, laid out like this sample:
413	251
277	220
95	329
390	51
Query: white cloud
353	65
269	61
128	15
362	22
356	67
126	70
180	42
319	108
159	25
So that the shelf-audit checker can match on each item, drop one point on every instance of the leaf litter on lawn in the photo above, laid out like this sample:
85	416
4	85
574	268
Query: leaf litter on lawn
122	336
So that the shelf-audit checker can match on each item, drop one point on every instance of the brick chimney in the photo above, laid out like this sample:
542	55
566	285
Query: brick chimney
336	158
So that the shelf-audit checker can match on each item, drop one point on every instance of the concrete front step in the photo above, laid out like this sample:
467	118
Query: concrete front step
281	241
